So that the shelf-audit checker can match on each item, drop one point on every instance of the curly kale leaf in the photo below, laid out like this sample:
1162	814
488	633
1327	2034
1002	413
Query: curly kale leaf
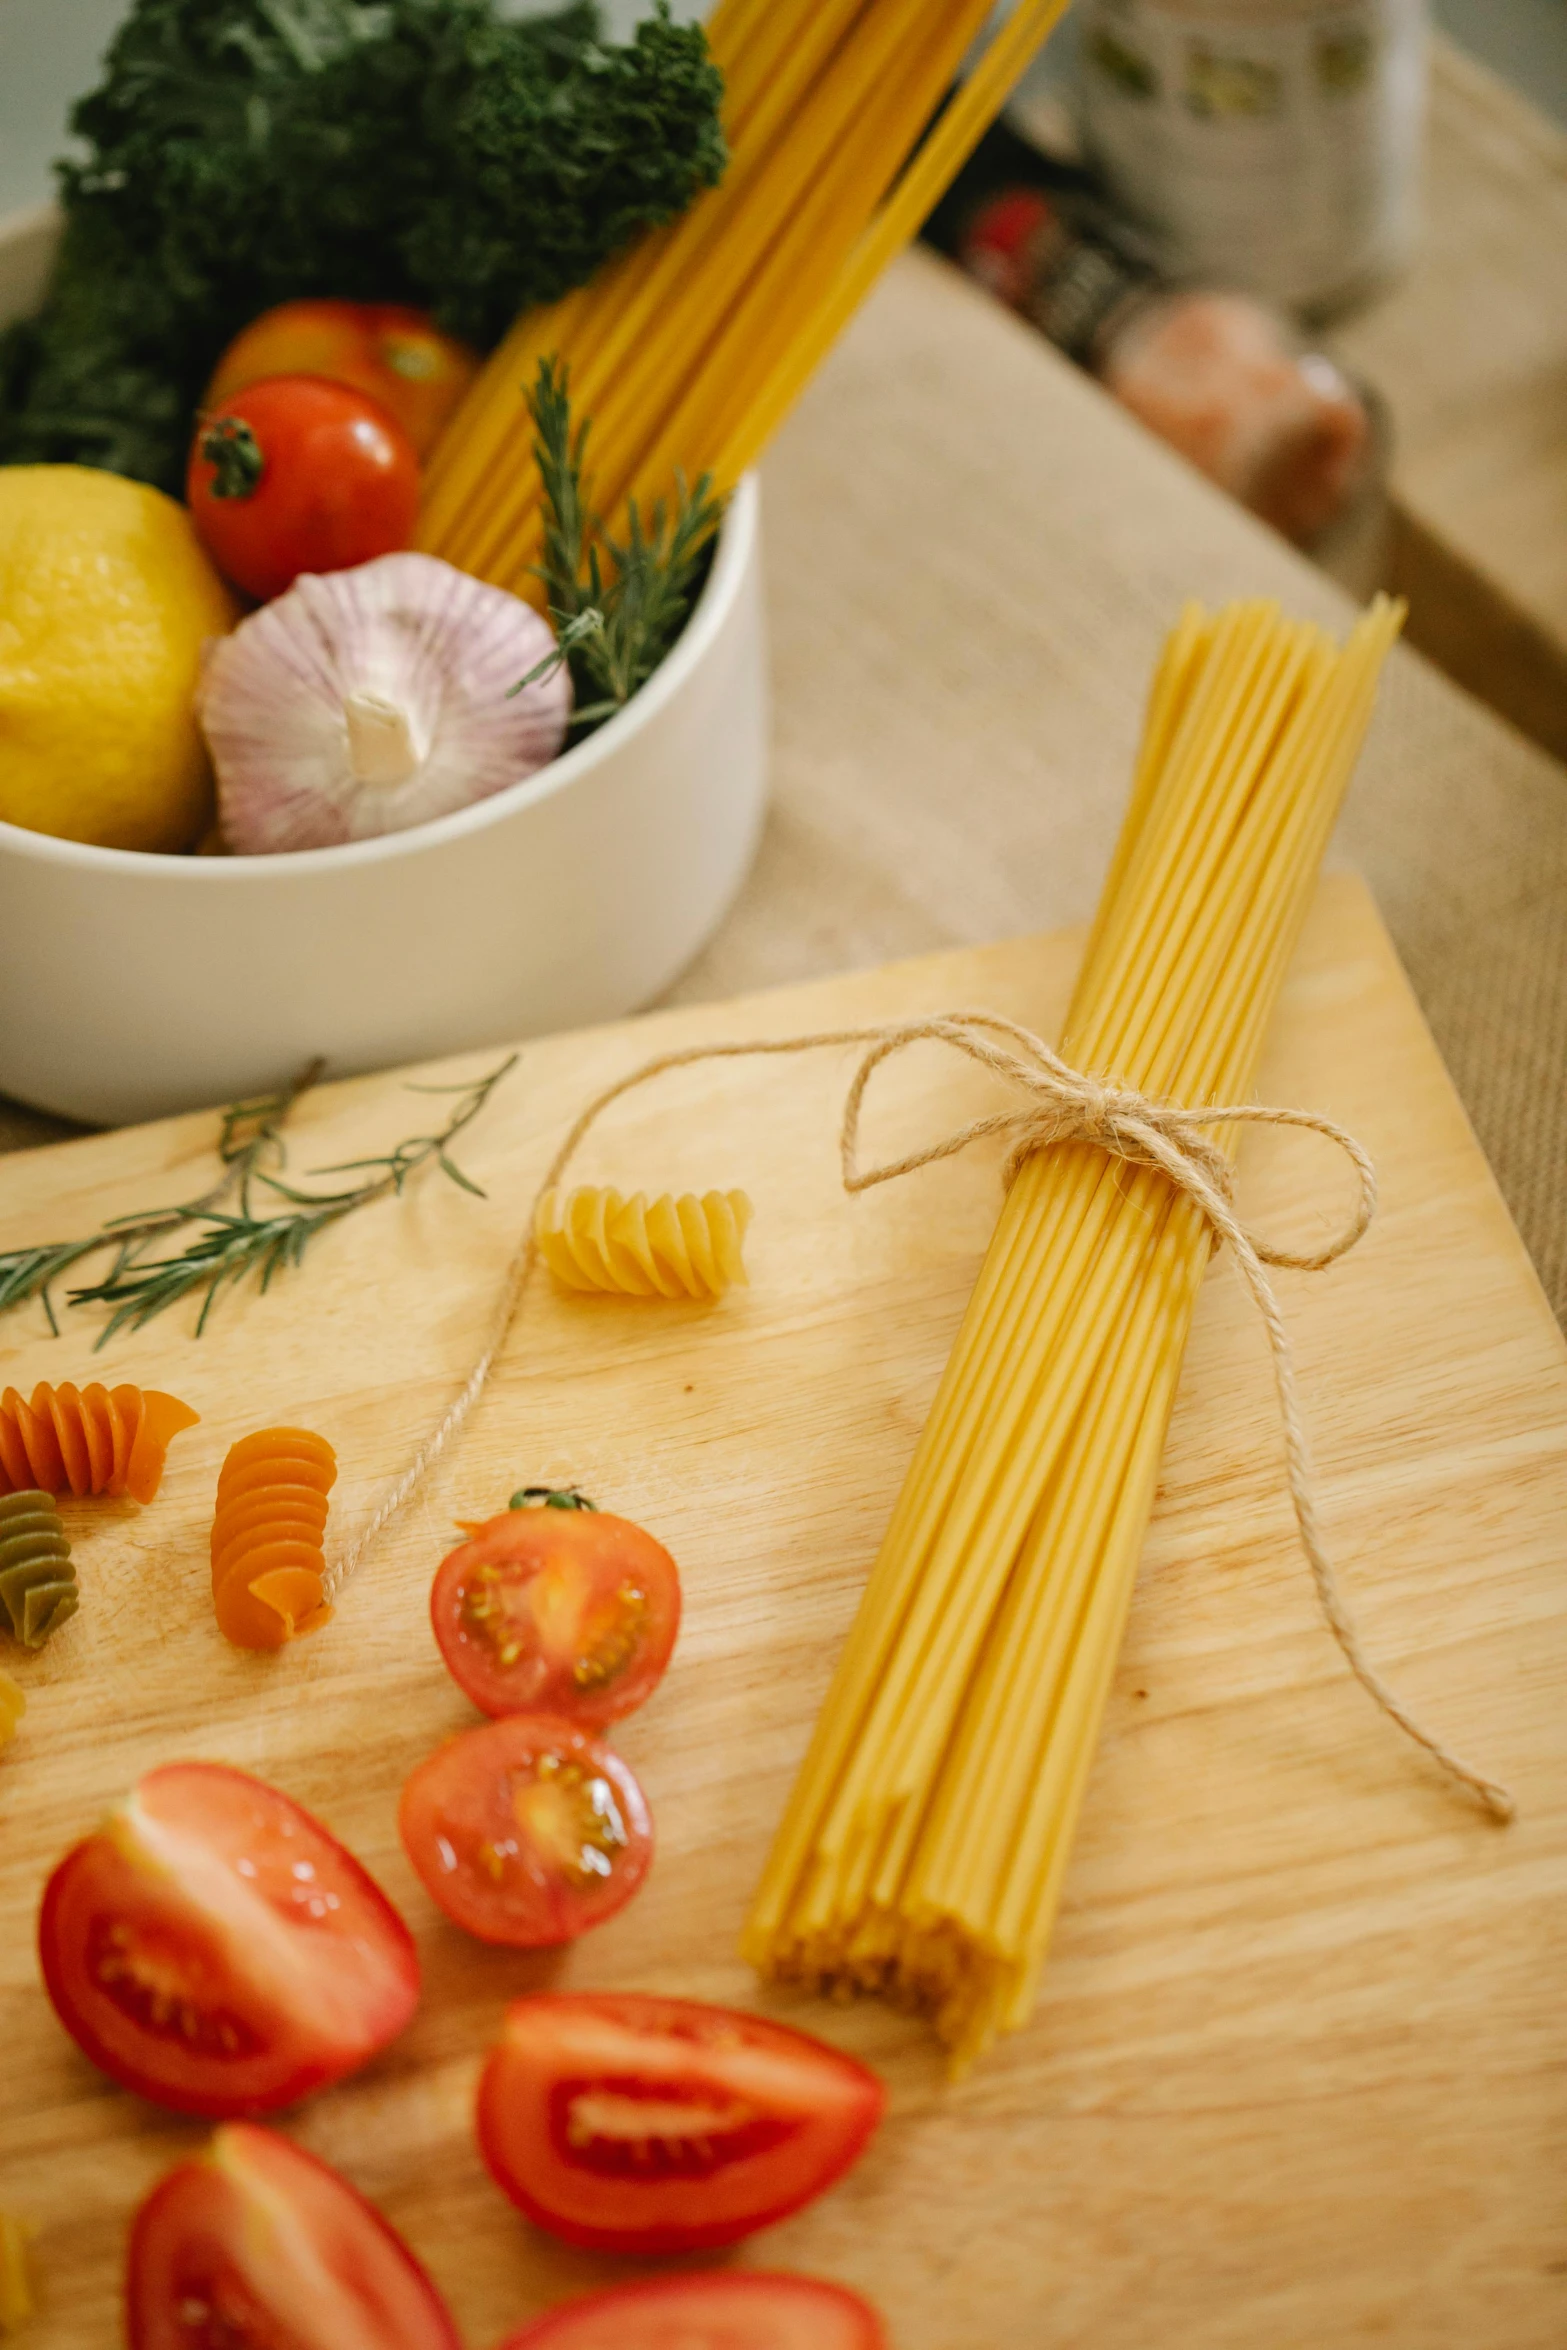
244	152
554	168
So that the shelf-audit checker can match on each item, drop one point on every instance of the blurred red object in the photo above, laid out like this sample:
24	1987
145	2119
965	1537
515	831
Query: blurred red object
1217	375
1221	379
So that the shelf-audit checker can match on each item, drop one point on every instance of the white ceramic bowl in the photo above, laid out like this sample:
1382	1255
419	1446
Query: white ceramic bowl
132	985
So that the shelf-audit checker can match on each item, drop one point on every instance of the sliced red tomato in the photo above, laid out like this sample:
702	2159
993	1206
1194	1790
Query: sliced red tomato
214	1948
627	2123
255	2245
734	2309
297	474
557	1609
527	1831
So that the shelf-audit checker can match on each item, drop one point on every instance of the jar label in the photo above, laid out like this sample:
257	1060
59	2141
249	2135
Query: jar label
1270	147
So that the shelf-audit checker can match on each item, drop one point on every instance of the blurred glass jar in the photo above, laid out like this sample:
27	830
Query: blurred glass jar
1265	144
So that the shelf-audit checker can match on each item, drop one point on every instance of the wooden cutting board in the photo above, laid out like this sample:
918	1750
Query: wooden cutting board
1296	2078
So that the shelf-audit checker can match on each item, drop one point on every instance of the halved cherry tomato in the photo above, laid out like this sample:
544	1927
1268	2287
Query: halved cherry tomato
297	474
405	363
562	1608
628	2123
213	1948
733	2309
255	2245
527	1831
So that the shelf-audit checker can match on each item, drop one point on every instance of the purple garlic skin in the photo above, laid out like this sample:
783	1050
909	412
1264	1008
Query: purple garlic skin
361	702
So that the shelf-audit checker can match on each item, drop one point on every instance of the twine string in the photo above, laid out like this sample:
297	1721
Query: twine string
1058	1105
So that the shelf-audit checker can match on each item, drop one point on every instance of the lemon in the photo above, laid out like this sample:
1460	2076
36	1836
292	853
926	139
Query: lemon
106	598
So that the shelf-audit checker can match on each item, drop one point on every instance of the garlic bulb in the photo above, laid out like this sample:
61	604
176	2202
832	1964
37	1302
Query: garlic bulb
364	701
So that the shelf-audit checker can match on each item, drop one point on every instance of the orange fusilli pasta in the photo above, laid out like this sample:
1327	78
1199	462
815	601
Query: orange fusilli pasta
93	1439
267	1561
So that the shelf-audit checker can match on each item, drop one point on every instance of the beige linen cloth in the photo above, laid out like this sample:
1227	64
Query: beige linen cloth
972	559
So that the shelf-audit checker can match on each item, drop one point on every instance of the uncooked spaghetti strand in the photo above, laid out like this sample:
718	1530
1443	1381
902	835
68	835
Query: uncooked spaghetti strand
1187	819
491	415
1044	1840
1004	1220
755	46
1191	837
1258	742
912	1712
1117	1641
939	157
949	1856
1151	1039
1024	1205
1281	887
655	308
1190	1063
1259	923
1016	1687
1056	1648
905	1786
944	152
650	419
1185	652
760	321
998	1481
894	1576
1004	1437
681	293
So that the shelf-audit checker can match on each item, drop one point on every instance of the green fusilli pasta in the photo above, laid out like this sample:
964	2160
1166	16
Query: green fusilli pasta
37	1579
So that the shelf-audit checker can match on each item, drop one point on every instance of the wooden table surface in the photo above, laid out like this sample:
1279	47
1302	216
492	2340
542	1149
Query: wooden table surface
972	558
1471	351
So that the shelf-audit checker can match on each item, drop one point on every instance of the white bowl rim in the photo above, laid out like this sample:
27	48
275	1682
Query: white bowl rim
735	544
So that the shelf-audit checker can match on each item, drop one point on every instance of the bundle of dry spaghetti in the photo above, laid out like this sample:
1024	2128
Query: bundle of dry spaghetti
924	1845
692	347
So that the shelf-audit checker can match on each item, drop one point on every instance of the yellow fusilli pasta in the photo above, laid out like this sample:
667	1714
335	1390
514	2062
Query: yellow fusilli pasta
667	1247
12	1707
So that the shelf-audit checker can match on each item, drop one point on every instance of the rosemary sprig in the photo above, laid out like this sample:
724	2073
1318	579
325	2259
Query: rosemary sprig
618	604
237	1233
248	1136
560	452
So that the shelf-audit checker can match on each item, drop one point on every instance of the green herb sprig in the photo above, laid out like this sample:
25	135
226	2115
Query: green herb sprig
235	1231
248	1136
618	604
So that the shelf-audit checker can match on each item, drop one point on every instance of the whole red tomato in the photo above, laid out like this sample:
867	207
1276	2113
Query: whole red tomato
298	474
406	364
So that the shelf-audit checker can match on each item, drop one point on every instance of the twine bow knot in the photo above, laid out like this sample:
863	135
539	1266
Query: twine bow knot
1065	1105
1059	1105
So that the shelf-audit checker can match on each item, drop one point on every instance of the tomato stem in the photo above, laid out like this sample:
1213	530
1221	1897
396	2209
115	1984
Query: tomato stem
233	451
550	1497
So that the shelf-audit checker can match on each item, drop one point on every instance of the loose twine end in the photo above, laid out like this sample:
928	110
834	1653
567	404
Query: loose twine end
1059	1105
